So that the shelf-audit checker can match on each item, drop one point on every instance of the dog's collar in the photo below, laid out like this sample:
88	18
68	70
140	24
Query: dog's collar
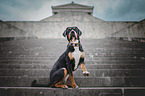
74	44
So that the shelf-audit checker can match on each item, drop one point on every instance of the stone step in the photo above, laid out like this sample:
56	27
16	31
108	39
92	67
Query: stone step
81	81
61	40
87	57
87	50
93	72
5	53
60	51
110	63
88	66
90	55
27	44
82	91
49	49
87	61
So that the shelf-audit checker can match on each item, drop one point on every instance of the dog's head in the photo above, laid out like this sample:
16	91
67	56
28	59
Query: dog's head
72	33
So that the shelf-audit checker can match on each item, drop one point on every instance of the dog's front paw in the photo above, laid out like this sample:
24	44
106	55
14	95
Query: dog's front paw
86	73
64	86
75	86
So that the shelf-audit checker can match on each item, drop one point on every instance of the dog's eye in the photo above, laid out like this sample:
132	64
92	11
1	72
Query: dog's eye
69	28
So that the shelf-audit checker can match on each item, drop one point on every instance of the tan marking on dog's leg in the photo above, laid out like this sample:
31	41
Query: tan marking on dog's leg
71	77
70	55
73	84
67	79
85	72
83	54
64	85
82	66
65	73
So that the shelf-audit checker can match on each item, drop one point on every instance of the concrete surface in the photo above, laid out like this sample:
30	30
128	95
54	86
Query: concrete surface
116	67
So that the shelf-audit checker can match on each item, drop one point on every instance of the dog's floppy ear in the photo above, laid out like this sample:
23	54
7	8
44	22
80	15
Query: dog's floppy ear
65	32
79	32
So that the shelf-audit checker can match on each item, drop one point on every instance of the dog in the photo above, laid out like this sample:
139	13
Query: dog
68	62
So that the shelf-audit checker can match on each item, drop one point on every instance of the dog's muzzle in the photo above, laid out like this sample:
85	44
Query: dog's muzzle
72	35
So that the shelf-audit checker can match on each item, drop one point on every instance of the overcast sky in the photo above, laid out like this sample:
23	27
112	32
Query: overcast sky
108	10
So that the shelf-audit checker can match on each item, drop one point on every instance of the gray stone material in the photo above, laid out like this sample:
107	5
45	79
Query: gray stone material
134	30
8	30
82	81
95	91
54	26
111	63
73	7
93	72
89	66
59	92
116	67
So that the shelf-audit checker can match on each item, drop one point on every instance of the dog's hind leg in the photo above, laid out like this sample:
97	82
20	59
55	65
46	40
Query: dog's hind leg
59	77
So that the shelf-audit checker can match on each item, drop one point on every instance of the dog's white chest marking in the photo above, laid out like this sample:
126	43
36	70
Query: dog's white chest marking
76	54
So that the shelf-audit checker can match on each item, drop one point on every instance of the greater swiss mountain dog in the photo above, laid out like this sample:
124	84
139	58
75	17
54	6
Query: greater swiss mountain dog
68	62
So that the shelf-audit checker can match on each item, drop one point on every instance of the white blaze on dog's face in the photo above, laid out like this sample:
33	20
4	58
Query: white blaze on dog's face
72	35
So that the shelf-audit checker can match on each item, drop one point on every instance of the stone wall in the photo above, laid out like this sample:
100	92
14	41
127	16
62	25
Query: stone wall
134	30
54	26
8	30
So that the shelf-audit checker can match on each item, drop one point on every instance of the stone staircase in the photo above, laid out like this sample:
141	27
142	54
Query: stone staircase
117	68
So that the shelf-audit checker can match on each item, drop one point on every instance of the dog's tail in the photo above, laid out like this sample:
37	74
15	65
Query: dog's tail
35	84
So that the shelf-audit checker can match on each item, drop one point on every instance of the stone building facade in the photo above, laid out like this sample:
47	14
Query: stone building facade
74	14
